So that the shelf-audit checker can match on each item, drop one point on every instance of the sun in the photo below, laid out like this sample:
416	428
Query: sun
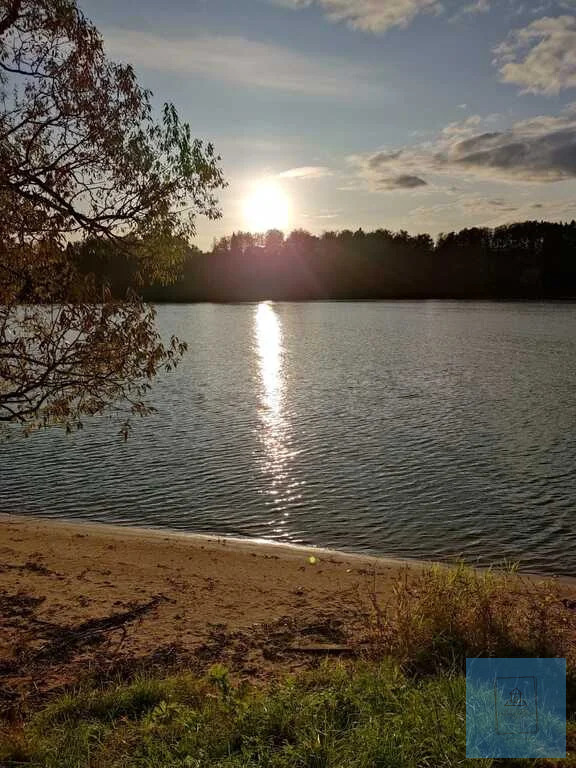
268	207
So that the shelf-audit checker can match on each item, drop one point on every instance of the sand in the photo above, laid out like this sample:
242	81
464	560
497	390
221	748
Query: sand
71	591
77	597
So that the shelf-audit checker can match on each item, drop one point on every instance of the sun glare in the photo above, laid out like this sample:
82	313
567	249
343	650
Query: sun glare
268	207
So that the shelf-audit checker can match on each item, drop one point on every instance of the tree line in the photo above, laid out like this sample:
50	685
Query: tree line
528	260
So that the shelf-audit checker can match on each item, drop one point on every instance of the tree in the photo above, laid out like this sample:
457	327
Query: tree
273	240
82	155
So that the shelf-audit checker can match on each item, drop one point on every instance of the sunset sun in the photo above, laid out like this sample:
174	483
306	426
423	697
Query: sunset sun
267	207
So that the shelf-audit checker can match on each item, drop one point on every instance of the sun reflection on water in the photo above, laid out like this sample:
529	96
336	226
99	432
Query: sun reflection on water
270	351
275	428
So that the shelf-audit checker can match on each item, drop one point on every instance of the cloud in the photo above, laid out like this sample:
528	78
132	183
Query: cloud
561	210
539	149
469	210
404	181
382	173
480	206
540	57
479	6
323	215
243	62
473	207
370	15
306	172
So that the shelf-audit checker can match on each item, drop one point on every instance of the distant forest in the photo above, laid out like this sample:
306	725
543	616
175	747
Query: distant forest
529	260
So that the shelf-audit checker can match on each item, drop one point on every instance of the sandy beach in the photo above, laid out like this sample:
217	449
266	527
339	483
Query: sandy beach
71	593
77	597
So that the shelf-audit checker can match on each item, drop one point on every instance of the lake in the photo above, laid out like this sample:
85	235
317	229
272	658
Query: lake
411	429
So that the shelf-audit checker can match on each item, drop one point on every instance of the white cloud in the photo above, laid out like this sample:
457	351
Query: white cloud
540	57
243	62
539	149
475	7
479	6
306	172
371	15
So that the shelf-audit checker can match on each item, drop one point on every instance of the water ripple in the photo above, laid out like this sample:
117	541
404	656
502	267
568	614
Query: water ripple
419	429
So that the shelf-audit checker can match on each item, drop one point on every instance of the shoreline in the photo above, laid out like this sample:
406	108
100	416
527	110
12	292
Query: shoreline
80	597
235	543
257	545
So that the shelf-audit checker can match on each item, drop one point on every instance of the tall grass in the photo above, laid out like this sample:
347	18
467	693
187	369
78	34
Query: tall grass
437	618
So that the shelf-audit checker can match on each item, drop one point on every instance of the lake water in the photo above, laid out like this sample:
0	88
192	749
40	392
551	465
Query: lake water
415	429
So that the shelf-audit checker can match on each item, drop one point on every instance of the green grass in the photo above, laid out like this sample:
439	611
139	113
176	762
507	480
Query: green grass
366	715
359	715
403	704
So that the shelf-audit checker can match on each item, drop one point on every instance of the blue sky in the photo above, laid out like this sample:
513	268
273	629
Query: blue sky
412	114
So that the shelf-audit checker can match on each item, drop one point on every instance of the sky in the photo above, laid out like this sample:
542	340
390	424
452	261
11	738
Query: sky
424	115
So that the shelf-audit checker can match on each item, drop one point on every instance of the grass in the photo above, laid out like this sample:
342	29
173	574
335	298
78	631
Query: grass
401	704
434	621
359	716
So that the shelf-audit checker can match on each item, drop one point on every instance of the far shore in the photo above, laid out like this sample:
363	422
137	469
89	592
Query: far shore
74	595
